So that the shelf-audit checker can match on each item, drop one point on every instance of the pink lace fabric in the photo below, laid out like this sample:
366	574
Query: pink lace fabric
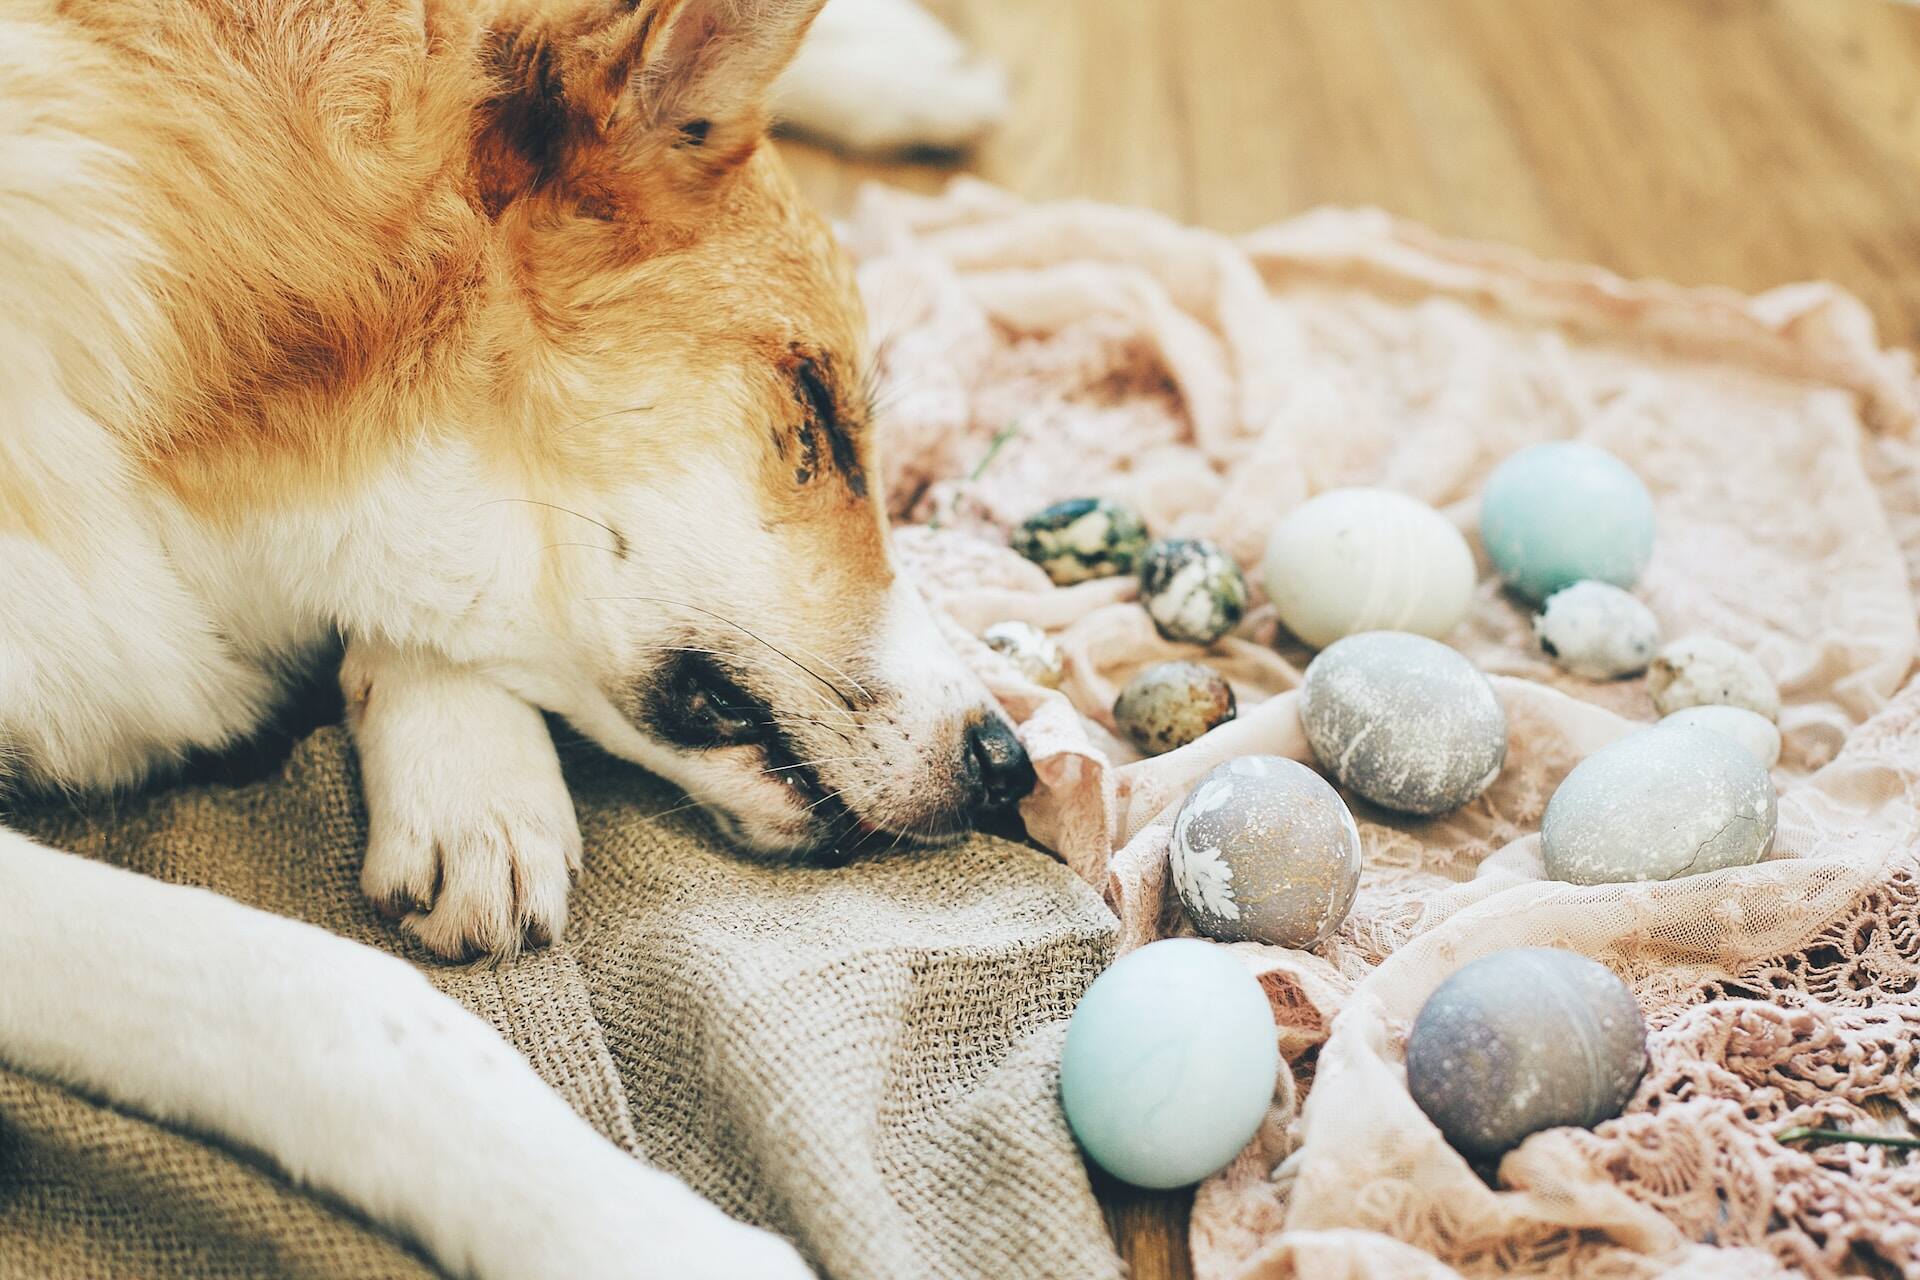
1216	383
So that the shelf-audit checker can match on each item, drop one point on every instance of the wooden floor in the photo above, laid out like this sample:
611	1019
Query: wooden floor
1741	142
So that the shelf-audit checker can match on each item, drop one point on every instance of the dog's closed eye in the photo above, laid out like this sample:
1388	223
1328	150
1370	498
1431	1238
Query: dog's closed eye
823	418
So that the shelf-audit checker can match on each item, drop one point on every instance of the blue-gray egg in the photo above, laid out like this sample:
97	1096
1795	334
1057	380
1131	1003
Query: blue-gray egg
1702	671
1755	732
1264	850
1170	1063
1404	721
1192	590
1171	703
1662	803
1525	1040
1033	652
1598	631
1558	513
1082	539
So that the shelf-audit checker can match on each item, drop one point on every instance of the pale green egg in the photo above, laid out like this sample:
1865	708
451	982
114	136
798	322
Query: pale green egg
1558	513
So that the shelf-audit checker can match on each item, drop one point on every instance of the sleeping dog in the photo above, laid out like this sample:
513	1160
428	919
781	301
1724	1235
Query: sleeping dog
489	341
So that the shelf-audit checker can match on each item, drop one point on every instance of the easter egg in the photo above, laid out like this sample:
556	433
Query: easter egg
1555	514
1082	539
1755	732
1264	850
1404	721
1171	703
1192	590
1524	1040
1658	804
1170	1063
1357	560
1596	630
1032	651
1701	671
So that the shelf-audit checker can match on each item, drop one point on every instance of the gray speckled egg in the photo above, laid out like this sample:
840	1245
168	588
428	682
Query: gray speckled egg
1171	703
1031	651
1264	849
1192	590
1658	804
1750	729
1521	1041
1701	671
1081	539
1596	630
1404	721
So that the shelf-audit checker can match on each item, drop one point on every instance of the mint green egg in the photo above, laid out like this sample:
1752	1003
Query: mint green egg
1170	1063
1557	514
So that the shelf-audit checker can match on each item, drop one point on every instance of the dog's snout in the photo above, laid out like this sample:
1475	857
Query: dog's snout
996	764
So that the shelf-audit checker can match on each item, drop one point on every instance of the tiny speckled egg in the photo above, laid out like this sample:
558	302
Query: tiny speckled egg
1367	560
1521	1041
1656	805
1750	729
1596	630
1170	1063
1555	514
1701	671
1192	590
1171	703
1031	651
1081	539
1264	849
1403	720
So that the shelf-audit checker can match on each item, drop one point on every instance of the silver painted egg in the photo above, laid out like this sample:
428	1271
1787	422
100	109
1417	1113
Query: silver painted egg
1082	539
1192	590
1662	803
1032	651
1750	729
1264	850
1525	1040
1171	703
1404	721
1596	630
1701	671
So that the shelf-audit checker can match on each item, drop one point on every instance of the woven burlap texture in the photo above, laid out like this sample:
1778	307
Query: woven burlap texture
862	1058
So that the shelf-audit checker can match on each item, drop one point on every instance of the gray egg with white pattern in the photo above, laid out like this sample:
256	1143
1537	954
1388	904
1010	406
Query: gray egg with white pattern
1598	631
1031	651
1264	850
1082	539
1192	590
1170	704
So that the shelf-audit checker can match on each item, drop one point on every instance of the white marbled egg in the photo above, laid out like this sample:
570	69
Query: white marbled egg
1032	651
1596	630
1750	729
1192	590
1367	560
1702	671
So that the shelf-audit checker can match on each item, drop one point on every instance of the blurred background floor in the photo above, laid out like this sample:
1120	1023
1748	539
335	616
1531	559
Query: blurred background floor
1739	142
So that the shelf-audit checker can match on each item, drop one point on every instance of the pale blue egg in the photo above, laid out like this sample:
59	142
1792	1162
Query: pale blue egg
1555	514
1170	1063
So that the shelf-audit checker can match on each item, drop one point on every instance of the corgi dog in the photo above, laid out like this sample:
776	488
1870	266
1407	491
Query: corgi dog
487	340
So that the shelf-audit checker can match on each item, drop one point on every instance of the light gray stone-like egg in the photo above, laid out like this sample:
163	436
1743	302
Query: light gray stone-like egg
1596	630
1082	539
1171	703
1264	850
1192	590
1662	803
1031	650
1525	1040
1750	729
1702	671
1404	721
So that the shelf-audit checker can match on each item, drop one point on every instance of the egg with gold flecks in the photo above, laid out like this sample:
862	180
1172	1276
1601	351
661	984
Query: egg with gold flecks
1082	539
1264	850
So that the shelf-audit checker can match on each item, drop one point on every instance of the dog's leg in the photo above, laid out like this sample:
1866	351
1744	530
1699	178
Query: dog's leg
344	1068
471	835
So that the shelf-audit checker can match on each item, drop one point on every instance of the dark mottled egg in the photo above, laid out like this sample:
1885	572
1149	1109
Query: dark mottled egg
1171	703
1404	721
1082	538
1192	590
1264	850
1032	651
1521	1041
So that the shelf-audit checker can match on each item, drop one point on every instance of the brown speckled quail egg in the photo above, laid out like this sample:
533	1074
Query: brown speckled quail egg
1032	651
1171	703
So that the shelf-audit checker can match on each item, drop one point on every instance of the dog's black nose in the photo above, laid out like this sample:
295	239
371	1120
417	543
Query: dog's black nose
996	764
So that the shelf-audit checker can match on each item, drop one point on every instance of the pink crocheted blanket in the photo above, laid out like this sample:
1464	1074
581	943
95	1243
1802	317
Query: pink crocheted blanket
1217	382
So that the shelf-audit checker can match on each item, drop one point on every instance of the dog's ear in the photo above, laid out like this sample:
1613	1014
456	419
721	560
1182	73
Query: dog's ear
569	79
